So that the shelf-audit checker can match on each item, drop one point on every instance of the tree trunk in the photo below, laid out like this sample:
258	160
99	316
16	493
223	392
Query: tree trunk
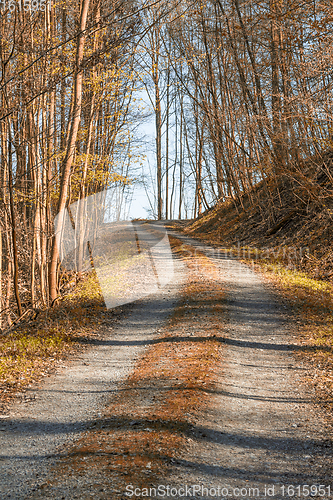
158	128
167	144
13	223
67	164
276	98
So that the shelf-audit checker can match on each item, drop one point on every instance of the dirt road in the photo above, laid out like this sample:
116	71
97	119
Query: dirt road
252	432
262	434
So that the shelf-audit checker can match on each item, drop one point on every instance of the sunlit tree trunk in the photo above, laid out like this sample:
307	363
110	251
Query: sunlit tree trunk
13	224
75	121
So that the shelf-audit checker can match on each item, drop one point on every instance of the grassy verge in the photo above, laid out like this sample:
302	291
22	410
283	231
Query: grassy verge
33	349
308	302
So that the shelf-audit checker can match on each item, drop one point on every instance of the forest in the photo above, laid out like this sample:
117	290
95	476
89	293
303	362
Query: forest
239	93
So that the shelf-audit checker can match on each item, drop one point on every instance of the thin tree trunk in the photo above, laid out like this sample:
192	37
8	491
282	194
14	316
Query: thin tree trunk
0	277
8	292
67	165
13	223
158	127
175	163
167	145
80	223
180	160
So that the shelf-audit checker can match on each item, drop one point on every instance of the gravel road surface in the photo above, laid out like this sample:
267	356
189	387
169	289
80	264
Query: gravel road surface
49	416
261	434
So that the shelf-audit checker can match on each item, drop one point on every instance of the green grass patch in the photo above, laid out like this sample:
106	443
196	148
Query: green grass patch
24	355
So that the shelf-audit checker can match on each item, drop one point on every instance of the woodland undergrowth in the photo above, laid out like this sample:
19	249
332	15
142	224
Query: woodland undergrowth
35	347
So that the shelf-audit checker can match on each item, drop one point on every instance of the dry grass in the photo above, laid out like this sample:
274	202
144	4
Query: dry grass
33	349
310	306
